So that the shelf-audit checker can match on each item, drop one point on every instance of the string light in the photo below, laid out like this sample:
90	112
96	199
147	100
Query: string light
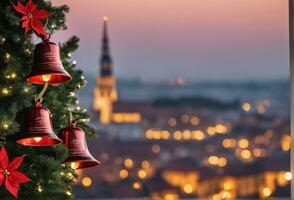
74	62
5	91
11	75
5	125
68	193
2	40
69	54
7	56
40	188
26	89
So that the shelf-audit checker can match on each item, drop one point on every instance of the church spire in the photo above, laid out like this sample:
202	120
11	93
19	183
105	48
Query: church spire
105	59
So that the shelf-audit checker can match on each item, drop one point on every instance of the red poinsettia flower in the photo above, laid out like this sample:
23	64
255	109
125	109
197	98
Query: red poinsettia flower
32	17
8	173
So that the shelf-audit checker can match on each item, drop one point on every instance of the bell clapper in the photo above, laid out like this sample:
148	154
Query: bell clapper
46	77
37	139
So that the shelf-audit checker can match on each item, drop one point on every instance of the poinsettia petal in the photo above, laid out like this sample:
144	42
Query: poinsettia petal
25	17
41	14
19	177
11	186
26	25
3	158
38	27
2	177
31	7
20	8
15	164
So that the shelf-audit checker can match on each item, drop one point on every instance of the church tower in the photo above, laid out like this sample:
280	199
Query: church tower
105	93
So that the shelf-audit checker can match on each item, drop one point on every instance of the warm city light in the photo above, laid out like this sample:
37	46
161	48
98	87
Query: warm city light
155	148
229	143
46	77
220	128
145	164
177	135
266	192
286	143
228	185
185	118
288	176
246	154
172	122
198	135
137	185
222	162
188	189
195	121
213	160
171	196
187	134
129	164
87	181
246	106
123	174
211	130
142	174
243	143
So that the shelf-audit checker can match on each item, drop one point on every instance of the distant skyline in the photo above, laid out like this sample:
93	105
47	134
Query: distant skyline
196	39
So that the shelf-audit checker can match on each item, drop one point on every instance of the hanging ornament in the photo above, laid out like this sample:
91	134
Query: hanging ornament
32	17
47	66
38	127
79	156
9	174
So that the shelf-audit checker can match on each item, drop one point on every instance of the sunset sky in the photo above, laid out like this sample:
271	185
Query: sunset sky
196	39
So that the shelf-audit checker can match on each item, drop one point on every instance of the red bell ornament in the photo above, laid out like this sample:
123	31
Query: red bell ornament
79	156
47	65
38	128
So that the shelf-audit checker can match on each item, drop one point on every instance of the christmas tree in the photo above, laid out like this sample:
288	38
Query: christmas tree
50	178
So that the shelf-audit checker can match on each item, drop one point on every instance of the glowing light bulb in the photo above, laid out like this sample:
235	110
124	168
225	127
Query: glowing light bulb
46	77
37	139
74	165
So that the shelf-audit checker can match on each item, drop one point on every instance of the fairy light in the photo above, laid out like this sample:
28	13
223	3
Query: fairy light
2	40
74	62
74	165
77	102
26	89
78	108
82	77
11	75
69	54
28	51
5	125
68	193
72	94
70	175
5	91
40	188
7	56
